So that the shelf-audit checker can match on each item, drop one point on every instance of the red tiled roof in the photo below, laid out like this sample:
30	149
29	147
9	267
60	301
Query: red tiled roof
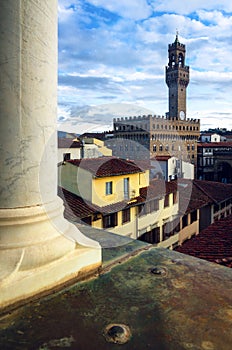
213	244
142	164
194	194
75	206
78	208
190	196
214	144
115	207
107	166
68	143
217	191
161	158
157	189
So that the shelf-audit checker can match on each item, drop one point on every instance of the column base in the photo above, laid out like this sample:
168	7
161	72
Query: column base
23	285
39	250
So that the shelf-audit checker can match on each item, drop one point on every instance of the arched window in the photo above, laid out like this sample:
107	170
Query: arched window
181	60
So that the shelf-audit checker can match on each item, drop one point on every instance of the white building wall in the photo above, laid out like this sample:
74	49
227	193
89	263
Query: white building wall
188	170
75	153
210	138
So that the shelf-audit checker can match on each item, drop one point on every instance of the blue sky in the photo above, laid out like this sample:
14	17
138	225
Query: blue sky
113	54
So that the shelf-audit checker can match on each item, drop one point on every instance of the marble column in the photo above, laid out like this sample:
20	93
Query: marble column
38	247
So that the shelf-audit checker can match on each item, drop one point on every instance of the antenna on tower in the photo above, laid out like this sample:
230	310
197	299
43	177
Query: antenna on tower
177	33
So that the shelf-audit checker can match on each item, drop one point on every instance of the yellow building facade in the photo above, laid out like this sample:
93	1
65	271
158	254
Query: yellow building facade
122	201
101	183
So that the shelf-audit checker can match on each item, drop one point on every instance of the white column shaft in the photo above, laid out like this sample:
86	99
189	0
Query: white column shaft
38	247
28	59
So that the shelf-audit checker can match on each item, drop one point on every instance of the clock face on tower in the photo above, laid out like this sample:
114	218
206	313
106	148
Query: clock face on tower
182	115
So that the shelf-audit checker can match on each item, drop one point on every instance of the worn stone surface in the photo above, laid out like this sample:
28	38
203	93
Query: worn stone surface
187	308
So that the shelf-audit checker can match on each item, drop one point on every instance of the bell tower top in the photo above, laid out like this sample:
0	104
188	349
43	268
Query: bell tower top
177	40
177	79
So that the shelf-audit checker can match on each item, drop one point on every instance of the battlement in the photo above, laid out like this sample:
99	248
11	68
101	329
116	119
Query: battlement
138	118
153	118
176	45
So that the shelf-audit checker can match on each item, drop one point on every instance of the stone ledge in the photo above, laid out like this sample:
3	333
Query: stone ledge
186	307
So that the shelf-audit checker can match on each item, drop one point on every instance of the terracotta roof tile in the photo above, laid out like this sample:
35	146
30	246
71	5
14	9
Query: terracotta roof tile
158	188
214	144
217	191
190	196
213	244
107	166
161	158
195	194
75	207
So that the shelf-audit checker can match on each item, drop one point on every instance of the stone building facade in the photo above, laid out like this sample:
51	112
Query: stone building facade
214	161
177	79
144	137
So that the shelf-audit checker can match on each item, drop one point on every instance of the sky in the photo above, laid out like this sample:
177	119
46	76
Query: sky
112	58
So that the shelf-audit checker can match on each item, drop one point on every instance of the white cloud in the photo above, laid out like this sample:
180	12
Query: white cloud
132	9
186	7
104	57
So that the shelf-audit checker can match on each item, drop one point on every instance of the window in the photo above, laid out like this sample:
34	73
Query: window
216	208
110	220
161	148
185	221
126	215
152	236
126	187
166	201
166	231
171	228
109	187
147	208
140	209
175	197
223	204
154	205
156	235
193	216
154	148
66	156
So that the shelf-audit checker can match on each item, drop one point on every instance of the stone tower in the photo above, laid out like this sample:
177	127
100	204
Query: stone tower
177	79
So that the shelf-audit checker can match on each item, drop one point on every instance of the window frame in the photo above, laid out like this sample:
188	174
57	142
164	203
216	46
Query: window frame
109	188
110	220
126	215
